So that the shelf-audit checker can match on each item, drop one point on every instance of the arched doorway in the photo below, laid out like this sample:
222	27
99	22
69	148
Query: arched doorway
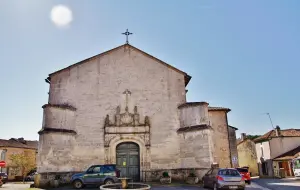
128	160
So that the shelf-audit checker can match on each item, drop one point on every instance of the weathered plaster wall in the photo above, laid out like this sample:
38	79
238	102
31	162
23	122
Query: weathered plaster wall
96	88
281	145
233	147
196	149
263	151
247	156
59	118
218	122
191	115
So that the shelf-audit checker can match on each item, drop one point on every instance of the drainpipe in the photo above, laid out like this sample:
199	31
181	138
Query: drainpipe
228	140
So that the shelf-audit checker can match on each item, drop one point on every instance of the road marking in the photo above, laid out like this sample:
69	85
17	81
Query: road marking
286	184
255	185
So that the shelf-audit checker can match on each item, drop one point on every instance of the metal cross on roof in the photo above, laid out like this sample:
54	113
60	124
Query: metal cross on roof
127	33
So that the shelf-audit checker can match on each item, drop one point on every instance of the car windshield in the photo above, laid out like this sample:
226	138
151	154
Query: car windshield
296	163
244	170
229	172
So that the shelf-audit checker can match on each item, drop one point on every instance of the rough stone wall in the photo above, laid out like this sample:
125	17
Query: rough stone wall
218	122
247	156
233	147
196	149
96	88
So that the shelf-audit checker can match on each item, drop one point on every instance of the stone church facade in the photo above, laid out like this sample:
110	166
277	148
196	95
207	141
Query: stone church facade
129	108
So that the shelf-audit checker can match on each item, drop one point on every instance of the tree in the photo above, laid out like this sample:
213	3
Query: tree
252	137
23	162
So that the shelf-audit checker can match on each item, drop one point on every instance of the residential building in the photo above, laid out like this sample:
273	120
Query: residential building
16	146
285	161
273	144
247	154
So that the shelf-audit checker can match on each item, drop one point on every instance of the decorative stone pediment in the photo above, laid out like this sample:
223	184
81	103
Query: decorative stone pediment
126	119
127	124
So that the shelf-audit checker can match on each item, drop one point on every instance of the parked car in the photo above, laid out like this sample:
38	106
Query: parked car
227	178
96	175
4	177
245	173
30	177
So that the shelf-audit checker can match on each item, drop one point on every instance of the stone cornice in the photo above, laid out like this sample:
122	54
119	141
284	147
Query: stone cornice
56	130
61	106
190	104
193	128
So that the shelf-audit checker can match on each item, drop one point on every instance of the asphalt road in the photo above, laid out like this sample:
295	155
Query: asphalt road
257	184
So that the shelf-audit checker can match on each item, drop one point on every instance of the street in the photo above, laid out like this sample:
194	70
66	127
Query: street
264	184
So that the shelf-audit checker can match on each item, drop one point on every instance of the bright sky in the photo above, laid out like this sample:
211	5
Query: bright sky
241	55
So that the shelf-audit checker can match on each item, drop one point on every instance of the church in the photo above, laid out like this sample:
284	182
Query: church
129	108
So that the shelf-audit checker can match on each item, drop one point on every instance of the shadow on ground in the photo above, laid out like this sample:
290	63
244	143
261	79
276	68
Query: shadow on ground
278	184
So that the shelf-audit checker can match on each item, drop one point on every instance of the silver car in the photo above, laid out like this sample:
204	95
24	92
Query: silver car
226	178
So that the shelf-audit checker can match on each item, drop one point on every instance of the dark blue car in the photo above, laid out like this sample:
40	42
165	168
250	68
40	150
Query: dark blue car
4	177
96	175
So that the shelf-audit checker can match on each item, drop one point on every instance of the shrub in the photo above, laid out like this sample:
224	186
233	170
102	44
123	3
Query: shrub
57	177
192	175
165	174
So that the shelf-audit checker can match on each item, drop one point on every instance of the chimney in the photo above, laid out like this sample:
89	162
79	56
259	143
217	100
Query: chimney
277	131
243	136
204	118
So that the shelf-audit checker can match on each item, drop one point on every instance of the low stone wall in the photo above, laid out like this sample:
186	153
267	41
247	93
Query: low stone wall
44	179
180	175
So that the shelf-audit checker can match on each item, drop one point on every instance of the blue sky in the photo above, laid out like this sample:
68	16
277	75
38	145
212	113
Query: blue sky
240	54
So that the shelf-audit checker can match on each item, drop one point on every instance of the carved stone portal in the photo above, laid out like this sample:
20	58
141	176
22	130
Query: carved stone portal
126	124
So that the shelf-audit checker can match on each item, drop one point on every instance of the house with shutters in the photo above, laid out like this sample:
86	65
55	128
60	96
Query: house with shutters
271	146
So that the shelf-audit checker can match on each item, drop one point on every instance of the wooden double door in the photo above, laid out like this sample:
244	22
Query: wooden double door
128	160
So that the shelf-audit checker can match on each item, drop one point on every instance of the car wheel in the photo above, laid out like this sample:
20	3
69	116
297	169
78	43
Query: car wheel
108	182
204	185
77	184
215	186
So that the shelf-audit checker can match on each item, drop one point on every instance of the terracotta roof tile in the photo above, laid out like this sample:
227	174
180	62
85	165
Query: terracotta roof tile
282	133
15	143
218	109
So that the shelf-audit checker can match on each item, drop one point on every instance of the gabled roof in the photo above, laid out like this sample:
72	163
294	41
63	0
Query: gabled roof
19	143
289	155
187	77
282	133
233	127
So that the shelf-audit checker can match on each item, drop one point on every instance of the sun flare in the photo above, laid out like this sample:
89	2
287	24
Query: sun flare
61	15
